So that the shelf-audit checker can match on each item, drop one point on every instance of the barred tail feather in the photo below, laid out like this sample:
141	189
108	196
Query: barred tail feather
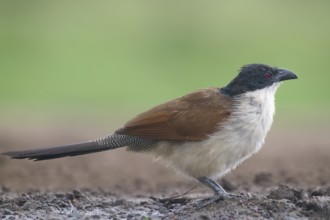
112	141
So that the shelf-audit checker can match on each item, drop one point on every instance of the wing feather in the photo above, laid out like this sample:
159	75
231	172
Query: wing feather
190	118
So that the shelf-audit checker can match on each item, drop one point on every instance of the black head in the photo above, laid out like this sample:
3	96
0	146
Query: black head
256	76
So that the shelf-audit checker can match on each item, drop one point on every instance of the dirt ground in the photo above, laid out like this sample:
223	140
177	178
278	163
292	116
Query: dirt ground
288	179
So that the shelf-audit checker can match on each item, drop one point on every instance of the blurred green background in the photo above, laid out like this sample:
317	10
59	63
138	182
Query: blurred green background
113	59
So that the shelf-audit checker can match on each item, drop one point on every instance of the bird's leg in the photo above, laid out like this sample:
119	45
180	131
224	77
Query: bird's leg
213	185
220	193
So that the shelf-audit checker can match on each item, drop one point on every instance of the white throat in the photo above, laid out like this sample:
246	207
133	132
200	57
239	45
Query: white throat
255	109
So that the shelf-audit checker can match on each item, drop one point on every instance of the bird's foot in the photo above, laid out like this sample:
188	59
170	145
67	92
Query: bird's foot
214	199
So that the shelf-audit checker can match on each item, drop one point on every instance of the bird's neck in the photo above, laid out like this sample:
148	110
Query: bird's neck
256	107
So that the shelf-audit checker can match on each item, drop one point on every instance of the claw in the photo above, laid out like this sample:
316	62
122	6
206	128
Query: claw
214	199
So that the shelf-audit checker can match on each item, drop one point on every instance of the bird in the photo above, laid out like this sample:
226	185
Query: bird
203	134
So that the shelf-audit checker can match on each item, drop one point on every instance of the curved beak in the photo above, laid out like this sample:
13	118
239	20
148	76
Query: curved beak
284	74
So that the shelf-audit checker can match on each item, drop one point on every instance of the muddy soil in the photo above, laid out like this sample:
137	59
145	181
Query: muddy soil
288	179
283	202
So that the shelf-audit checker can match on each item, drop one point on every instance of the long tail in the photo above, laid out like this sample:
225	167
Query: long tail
57	152
110	142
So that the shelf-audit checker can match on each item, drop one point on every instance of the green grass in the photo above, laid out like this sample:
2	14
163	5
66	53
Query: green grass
132	55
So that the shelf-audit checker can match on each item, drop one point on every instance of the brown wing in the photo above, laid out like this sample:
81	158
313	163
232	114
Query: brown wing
191	117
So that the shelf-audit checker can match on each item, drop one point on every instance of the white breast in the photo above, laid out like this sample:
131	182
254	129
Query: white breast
237	139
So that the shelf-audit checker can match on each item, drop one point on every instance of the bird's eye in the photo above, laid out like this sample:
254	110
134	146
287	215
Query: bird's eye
268	75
